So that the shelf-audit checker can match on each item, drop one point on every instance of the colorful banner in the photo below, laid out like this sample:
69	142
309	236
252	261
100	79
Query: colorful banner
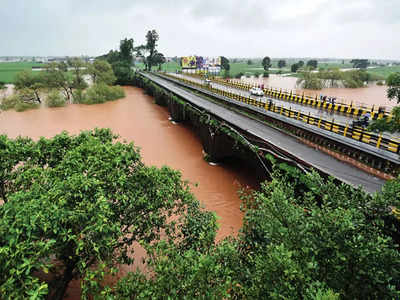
189	62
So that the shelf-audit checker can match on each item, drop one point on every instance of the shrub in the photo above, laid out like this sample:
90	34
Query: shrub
266	74
9	102
100	93
22	106
257	74
239	75
55	99
79	96
15	101
380	83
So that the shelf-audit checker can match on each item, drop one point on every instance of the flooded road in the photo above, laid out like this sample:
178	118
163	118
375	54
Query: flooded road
366	96
136	118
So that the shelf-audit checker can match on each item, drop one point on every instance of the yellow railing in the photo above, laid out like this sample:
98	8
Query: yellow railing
355	133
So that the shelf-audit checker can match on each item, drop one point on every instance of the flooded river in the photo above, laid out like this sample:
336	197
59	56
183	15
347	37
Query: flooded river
136	118
366	96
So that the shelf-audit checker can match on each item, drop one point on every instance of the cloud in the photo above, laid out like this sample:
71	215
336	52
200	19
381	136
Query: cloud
252	28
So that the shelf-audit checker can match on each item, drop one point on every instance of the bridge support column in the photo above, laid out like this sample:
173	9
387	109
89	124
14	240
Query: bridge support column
177	111
216	144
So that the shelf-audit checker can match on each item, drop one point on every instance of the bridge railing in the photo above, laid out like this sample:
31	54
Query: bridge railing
354	133
302	99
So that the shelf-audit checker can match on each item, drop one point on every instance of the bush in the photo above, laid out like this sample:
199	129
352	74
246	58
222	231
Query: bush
79	96
22	106
9	102
257	74
55	99
15	101
266	74
100	93
380	83
239	75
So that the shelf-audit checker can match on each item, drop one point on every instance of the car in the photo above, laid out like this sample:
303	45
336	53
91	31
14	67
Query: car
256	91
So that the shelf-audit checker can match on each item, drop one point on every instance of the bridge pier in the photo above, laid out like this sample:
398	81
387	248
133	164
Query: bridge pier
216	144
177	111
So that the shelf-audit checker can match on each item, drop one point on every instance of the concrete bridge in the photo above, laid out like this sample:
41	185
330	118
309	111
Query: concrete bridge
279	142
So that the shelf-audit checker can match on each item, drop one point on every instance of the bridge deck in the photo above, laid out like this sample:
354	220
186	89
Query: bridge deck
290	145
338	117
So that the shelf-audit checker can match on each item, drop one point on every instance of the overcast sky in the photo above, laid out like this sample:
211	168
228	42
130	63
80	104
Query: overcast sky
233	28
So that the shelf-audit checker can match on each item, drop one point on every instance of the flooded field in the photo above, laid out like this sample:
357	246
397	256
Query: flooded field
366	96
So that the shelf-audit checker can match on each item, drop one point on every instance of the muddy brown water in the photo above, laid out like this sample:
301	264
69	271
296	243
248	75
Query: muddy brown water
365	96
136	118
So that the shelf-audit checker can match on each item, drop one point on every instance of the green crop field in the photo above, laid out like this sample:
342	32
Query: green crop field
8	70
384	72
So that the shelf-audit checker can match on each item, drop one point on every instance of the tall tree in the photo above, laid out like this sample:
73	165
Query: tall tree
266	63
294	67
101	72
30	83
159	59
151	44
312	63
281	63
360	63
126	50
300	63
225	63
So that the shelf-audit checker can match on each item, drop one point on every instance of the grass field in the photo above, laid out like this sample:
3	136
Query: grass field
256	67
8	70
384	71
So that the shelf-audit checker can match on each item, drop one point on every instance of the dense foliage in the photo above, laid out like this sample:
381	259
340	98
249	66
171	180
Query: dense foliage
55	99
74	205
303	238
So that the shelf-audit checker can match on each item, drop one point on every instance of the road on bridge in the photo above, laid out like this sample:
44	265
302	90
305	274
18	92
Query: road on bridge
288	144
339	118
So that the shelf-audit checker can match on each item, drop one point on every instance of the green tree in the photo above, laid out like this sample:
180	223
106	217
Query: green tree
300	63
74	205
151	43
302	232
2	87
266	63
249	62
360	63
55	77
312	63
101	71
159	59
294	67
29	82
225	63
393	83
126	50
281	63
309	80
79	68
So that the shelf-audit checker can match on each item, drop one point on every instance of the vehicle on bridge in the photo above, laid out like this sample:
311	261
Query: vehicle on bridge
256	91
362	121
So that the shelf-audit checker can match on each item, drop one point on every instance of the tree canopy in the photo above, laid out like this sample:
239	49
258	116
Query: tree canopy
312	63
281	63
74	205
360	63
225	63
266	63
